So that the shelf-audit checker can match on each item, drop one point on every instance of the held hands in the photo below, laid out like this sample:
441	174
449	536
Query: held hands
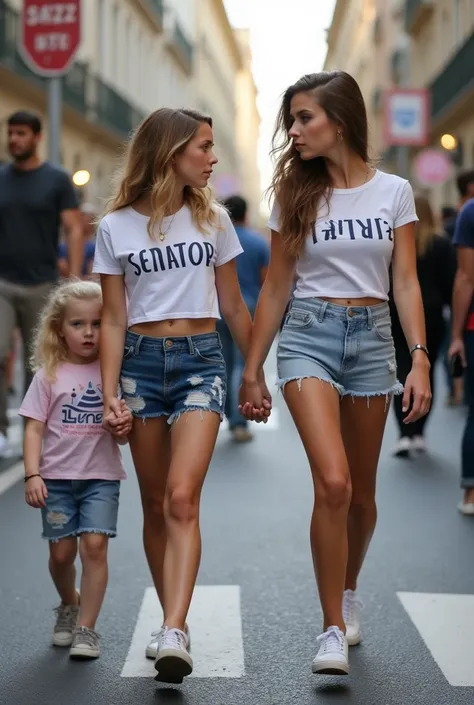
36	493
417	390
255	399
117	419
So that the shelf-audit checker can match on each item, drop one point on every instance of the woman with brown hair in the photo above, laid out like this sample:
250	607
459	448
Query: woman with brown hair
171	249
339	224
436	269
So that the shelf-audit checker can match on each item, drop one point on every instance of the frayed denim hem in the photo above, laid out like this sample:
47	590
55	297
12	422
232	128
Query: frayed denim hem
281	383
79	532
177	415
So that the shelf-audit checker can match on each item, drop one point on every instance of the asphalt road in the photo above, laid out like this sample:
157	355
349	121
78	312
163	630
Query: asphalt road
254	641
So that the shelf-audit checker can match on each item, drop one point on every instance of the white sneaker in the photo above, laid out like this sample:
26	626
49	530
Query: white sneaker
351	608
418	444
66	622
152	648
85	644
173	662
333	655
466	508
3	444
403	447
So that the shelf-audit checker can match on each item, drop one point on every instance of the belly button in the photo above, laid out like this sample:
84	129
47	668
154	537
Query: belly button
170	323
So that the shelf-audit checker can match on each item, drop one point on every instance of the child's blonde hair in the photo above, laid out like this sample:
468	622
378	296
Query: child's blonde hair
49	348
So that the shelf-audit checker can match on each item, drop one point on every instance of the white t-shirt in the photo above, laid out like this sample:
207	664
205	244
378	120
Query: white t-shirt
170	279
348	252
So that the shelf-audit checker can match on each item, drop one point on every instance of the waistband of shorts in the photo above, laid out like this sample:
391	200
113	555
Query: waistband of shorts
322	309
170	342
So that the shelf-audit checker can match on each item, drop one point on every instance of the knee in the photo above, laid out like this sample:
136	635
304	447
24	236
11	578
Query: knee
182	505
61	555
363	503
153	508
334	489
93	548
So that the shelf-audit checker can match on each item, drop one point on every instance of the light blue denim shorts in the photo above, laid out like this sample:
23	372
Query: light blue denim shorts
350	347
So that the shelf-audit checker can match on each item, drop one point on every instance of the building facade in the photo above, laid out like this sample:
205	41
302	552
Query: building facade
419	44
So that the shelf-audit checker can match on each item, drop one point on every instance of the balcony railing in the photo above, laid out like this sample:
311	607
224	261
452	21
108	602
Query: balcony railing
90	96
416	13
455	80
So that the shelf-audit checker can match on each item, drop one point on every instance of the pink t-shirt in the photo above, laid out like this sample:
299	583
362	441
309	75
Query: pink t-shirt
75	446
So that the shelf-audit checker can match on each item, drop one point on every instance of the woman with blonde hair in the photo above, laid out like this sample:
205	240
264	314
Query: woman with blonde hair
436	269
167	245
339	224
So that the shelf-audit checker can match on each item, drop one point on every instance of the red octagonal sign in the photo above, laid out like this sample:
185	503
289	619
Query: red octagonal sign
50	35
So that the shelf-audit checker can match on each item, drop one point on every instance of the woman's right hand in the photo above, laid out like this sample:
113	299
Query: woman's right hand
254	400
36	493
114	418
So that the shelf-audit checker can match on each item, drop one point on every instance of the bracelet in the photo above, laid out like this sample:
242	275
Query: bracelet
28	477
418	346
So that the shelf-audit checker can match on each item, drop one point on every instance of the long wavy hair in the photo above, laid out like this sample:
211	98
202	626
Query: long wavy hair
49	347
300	186
148	168
425	229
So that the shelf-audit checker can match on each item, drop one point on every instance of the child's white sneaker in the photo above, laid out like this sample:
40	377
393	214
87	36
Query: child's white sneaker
85	644
66	622
333	655
173	661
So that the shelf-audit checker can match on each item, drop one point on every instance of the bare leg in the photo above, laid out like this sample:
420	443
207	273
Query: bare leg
93	552
362	429
62	555
150	446
315	410
193	438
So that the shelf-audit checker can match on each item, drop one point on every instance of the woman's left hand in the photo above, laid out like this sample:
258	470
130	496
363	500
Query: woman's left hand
417	391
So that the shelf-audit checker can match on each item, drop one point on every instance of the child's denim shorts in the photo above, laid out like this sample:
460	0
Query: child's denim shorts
170	376
350	347
75	507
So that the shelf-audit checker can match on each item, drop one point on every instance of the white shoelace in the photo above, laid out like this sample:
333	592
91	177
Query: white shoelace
156	636
332	640
351	607
173	639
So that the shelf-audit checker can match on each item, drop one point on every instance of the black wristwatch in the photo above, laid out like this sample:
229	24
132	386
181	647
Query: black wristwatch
418	346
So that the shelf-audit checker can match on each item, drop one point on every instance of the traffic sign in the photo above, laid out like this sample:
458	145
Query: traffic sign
432	166
50	35
406	113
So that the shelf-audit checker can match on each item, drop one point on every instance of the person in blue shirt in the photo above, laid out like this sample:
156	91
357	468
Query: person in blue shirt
462	340
251	269
88	218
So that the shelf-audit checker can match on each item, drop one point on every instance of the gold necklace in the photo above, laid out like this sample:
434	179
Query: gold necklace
162	234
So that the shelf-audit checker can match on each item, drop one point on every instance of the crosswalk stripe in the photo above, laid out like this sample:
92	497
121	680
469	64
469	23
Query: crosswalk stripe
216	634
446	625
9	477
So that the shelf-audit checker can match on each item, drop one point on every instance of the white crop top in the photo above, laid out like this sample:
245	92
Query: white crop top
348	253
169	279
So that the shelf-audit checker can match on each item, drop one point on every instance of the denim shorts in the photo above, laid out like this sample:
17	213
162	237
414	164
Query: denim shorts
350	347
170	376
75	507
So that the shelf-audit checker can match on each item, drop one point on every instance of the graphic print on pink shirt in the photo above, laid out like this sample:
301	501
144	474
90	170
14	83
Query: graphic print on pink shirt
75	446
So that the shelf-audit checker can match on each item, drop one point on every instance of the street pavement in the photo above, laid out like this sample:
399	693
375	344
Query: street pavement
255	615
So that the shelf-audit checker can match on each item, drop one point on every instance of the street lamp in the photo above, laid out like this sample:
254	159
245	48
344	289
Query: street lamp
449	142
81	177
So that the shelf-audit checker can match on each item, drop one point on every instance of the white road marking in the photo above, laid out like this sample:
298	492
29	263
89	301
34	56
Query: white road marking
216	634
446	625
9	477
12	414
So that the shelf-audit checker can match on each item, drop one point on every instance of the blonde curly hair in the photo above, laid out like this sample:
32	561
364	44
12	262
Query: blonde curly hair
49	347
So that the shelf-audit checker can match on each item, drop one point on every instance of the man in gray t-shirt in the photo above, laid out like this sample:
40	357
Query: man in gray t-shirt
36	199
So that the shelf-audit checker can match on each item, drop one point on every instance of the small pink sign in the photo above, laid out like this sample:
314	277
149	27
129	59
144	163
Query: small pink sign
432	166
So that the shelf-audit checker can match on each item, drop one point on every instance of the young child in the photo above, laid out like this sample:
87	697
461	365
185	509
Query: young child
73	466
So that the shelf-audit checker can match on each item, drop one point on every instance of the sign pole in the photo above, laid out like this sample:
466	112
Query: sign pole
54	111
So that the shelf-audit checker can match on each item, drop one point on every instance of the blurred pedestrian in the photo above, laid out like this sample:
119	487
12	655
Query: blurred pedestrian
73	466
436	268
462	345
448	220
36	199
251	270
340	223
89	214
167	245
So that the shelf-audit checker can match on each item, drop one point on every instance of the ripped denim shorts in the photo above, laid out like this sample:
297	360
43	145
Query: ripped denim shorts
351	348
170	376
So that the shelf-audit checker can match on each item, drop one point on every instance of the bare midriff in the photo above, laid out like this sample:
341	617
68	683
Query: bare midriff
177	327
367	301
